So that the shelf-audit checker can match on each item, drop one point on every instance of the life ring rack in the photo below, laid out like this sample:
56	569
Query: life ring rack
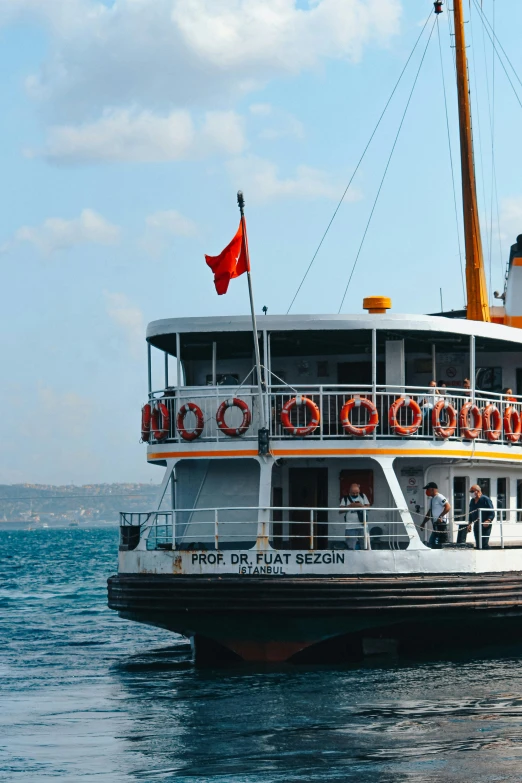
355	429
311	407
233	432
190	407
400	429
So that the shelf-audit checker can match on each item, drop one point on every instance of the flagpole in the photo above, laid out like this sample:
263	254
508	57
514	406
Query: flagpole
241	204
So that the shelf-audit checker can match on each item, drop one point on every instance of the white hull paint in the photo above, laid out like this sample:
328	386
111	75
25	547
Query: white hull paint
334	563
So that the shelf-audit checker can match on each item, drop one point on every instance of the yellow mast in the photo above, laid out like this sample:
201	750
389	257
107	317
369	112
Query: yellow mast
477	293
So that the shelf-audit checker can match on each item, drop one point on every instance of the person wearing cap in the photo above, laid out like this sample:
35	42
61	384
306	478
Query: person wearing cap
480	511
438	513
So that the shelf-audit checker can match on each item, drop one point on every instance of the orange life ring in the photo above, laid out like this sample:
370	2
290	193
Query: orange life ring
491	416
410	403
145	422
233	432
468	432
314	412
160	421
512	424
180	421
352	429
438	429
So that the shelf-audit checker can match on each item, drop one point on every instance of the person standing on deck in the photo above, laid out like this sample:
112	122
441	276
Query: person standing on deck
355	500
438	513
476	516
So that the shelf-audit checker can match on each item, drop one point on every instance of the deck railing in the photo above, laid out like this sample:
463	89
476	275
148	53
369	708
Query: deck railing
314	529
329	401
286	527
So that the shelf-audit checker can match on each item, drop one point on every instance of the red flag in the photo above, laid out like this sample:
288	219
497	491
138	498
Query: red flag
231	262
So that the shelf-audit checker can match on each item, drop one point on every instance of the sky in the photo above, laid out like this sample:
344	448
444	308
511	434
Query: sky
127	128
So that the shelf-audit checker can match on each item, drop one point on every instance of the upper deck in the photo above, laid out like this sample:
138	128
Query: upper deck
331	359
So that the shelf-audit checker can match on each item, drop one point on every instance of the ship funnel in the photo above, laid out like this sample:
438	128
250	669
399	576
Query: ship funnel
514	286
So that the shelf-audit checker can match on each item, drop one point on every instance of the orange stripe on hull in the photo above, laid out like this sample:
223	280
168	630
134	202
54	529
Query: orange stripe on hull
363	452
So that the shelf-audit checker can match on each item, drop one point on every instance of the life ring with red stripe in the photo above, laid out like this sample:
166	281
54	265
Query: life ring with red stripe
359	430
400	429
180	421
492	422
451	413
512	424
160	421
146	412
233	432
468	430
312	409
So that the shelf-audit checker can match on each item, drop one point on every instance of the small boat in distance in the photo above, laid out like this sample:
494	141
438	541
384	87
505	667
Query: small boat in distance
290	521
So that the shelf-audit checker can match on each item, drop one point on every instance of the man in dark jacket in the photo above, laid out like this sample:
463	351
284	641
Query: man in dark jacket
480	513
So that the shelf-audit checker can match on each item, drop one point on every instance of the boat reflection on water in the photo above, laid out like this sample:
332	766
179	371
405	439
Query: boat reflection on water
414	721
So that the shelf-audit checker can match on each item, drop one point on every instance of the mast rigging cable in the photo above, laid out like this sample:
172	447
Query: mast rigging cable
387	165
359	163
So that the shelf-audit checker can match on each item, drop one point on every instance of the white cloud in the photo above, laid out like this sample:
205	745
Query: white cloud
163	53
262	180
143	136
129	319
161	227
260	109
59	234
511	218
171	222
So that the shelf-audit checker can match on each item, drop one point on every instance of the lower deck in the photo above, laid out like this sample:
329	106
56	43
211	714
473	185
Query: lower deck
294	505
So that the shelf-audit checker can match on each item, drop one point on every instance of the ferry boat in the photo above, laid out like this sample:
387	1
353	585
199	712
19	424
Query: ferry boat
251	552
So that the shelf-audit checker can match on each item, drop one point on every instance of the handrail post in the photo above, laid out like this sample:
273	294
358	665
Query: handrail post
365	526
480	528
321	424
311	528
501	530
374	374
216	530
173	528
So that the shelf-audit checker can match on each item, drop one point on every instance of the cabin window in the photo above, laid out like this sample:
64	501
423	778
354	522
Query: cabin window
485	486
502	497
322	370
459	499
519	380
489	379
224	379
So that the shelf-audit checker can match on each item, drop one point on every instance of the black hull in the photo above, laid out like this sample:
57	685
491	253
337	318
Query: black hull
276	618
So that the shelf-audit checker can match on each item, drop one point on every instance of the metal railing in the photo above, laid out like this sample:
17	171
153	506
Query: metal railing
504	531
329	400
283	527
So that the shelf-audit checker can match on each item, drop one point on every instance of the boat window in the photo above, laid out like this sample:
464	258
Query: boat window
459	499
502	496
322	369
489	379
519	380
224	379
485	486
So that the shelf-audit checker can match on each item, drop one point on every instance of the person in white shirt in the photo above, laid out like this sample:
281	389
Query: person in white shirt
438	513
355	501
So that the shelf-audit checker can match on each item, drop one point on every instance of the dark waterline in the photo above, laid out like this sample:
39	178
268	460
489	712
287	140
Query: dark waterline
87	696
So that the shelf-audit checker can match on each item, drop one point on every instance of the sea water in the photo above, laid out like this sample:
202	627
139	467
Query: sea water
86	696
